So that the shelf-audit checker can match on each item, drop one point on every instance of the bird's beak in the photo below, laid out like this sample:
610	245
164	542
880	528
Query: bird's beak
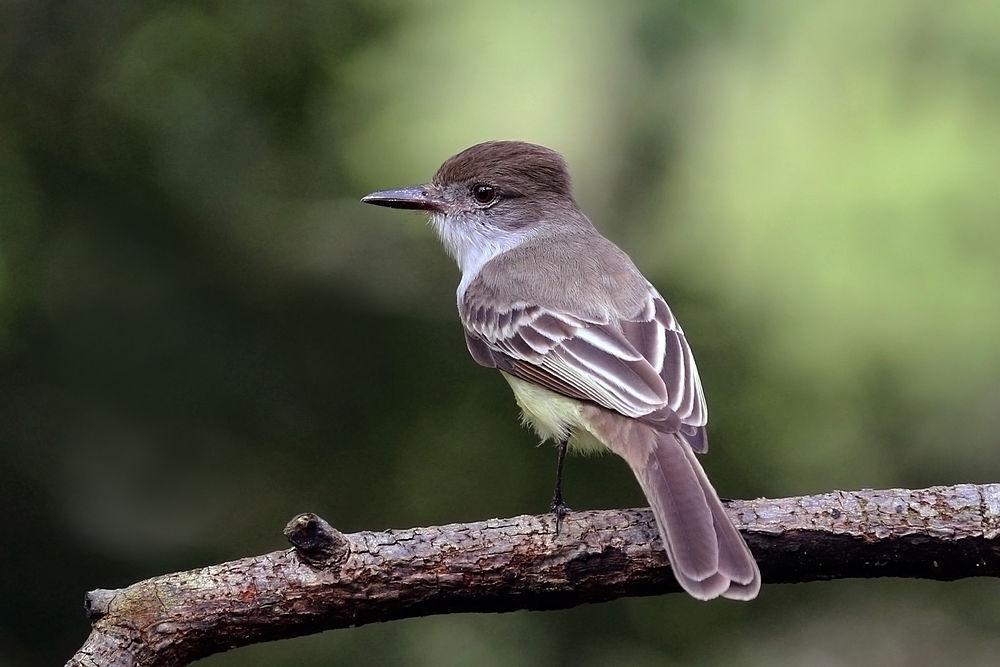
418	198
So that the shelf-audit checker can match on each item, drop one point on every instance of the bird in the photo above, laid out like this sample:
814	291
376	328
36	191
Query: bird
594	355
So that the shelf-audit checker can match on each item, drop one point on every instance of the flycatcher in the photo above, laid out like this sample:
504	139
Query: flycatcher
594	355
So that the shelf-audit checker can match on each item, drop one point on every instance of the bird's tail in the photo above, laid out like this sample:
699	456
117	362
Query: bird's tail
707	553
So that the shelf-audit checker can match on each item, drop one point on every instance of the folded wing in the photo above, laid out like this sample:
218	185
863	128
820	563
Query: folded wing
640	366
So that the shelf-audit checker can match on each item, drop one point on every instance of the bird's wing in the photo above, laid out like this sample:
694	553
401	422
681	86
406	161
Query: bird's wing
639	367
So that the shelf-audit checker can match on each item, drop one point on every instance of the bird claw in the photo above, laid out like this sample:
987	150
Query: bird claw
560	509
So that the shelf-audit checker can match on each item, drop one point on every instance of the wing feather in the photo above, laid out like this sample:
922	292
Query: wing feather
673	369
641	366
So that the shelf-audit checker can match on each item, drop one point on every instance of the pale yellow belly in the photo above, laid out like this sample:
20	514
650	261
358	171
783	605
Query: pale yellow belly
553	416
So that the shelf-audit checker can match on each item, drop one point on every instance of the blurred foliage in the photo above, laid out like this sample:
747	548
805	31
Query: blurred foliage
202	332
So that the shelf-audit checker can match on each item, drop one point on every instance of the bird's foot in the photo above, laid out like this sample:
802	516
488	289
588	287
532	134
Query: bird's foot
560	509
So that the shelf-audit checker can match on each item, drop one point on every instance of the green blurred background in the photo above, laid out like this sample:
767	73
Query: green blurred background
202	332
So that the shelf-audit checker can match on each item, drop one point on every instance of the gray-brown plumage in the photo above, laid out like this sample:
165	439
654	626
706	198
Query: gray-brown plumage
591	350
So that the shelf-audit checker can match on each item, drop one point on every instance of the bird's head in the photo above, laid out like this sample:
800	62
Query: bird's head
490	197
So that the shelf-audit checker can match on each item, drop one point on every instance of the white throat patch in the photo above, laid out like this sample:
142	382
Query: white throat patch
472	244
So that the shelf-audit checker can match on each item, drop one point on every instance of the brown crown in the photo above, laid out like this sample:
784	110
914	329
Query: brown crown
514	166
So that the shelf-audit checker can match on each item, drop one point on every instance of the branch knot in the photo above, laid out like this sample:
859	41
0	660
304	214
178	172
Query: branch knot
316	541
97	603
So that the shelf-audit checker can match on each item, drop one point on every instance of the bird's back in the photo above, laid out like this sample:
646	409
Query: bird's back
574	270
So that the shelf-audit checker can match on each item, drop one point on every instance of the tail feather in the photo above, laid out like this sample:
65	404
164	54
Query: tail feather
708	555
735	560
682	511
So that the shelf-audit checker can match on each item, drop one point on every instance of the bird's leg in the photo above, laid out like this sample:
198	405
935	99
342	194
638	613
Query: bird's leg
559	506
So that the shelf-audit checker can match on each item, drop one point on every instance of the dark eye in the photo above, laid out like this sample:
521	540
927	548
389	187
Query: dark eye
483	193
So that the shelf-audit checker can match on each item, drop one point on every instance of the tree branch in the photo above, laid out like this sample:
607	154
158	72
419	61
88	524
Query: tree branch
330	580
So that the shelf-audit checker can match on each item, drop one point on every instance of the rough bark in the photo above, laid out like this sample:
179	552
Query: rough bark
330	580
